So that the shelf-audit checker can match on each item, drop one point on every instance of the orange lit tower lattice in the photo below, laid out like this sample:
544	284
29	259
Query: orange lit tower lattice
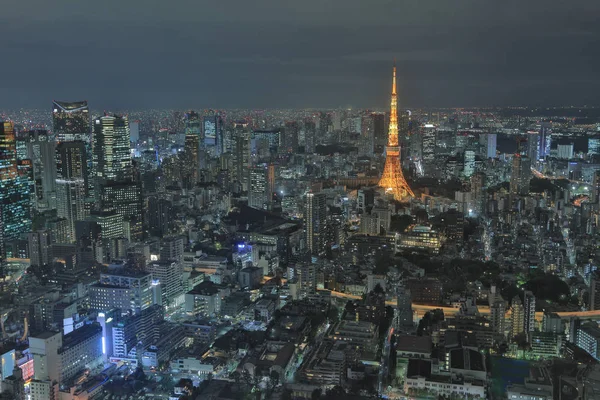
392	179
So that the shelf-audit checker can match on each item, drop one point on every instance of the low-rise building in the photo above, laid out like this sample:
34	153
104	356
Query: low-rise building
327	365
418	347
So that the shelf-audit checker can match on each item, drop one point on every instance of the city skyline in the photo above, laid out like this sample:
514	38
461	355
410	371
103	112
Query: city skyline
297	56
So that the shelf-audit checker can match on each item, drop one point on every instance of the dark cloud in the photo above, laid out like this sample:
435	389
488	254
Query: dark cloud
315	53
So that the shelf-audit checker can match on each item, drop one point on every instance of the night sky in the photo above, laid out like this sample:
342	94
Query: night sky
138	54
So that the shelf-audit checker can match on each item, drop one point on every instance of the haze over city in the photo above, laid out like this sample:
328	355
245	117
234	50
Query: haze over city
310	54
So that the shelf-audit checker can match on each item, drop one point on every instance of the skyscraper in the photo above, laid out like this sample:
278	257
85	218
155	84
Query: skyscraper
71	121
491	145
315	215
478	194
392	179
71	183
15	189
241	155
428	138
290	137
191	160
545	140
529	311
39	148
126	199
111	159
212	127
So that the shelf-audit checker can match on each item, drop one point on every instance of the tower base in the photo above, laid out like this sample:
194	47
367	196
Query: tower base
392	180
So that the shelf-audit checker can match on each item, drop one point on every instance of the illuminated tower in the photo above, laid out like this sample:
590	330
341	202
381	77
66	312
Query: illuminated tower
392	179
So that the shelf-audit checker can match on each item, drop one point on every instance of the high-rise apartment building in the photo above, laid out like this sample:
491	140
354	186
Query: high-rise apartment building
242	155
517	317
529	311
428	146
478	193
315	216
520	175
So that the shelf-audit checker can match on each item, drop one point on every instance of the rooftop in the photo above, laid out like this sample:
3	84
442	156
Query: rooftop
417	344
206	288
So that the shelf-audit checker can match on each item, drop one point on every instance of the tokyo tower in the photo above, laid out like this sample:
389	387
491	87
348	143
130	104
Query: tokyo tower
392	179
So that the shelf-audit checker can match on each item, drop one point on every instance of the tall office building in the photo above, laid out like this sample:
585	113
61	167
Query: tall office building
315	216
594	146
126	199
545	140
71	183
520	175
212	127
192	124
39	247
111	155
15	189
71	121
134	131
70	204
469	163
261	186
491	145
290	137
39	148
533	141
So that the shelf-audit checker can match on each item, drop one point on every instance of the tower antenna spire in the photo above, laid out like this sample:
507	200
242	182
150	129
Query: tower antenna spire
392	179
